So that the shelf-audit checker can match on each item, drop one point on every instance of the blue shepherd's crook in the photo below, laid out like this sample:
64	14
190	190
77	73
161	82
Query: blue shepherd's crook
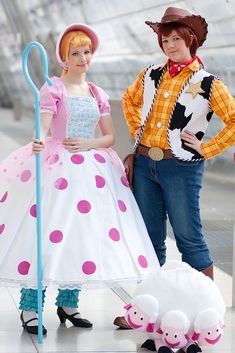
38	178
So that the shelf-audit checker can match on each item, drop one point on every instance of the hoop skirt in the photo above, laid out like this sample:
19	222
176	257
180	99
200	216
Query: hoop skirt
92	230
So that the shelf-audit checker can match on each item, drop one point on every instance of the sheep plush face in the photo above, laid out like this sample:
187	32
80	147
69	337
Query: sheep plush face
210	336
136	317
174	338
208	327
142	313
174	328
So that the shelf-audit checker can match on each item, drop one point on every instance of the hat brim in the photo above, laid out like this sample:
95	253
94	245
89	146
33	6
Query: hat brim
195	22
77	27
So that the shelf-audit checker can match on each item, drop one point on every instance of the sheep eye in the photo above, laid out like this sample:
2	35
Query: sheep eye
208	332
142	318
135	312
175	335
217	330
166	333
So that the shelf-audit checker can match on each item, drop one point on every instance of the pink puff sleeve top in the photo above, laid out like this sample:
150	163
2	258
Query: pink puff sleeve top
53	100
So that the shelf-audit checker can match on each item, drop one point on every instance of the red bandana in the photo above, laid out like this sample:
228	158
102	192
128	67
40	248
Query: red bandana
175	69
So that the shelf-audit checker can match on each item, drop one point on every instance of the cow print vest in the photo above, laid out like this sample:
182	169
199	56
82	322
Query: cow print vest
191	110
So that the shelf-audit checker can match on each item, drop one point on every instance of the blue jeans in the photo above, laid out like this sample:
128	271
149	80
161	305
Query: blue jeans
171	187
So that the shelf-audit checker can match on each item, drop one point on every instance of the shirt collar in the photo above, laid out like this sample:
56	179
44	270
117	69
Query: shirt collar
194	66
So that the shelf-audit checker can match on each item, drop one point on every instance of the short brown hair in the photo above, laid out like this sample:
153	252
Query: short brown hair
183	31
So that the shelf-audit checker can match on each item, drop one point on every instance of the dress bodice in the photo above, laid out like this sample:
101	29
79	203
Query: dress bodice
83	117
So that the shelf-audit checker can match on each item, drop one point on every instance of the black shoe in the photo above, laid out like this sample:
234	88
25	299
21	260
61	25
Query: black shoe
164	349
76	321
149	344
31	329
193	348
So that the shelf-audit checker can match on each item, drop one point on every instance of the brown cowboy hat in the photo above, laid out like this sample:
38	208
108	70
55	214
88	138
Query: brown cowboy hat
195	22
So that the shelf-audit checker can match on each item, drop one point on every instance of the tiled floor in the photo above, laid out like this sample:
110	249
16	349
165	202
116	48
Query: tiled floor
100	306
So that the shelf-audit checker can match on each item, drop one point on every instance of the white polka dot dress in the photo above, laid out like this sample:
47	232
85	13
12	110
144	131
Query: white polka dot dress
92	230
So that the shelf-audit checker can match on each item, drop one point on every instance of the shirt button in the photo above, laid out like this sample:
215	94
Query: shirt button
166	95
159	124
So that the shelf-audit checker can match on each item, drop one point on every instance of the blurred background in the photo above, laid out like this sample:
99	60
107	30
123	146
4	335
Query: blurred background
126	46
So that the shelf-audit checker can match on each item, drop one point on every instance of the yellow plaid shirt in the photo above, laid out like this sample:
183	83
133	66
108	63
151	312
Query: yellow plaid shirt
222	103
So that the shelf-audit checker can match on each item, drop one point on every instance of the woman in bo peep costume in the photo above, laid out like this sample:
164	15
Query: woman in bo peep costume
93	232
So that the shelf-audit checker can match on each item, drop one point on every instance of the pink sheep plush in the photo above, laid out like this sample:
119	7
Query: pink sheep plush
174	330
142	313
208	327
188	314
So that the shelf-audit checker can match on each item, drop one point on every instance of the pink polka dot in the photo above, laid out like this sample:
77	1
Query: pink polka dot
56	236
143	261
53	159
122	206
114	234
25	176
4	197
2	227
77	159
124	181
84	206
100	181
89	267
23	268
99	158
61	184
33	211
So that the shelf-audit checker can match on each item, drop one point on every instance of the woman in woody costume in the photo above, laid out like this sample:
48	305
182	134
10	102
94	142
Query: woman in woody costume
168	109
93	233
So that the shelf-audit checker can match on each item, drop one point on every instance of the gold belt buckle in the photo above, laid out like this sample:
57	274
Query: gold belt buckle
156	153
